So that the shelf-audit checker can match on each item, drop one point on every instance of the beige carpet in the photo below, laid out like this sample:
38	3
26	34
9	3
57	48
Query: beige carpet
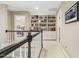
51	50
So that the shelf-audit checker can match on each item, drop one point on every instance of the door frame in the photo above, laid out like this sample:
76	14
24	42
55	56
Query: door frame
59	29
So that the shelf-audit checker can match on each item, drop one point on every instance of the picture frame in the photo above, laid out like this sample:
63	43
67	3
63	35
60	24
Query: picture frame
72	14
20	34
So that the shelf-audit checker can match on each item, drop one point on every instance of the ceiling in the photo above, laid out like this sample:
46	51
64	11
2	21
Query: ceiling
34	7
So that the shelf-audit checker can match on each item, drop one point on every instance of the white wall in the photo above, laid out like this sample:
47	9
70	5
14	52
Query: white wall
3	25
70	32
49	35
59	25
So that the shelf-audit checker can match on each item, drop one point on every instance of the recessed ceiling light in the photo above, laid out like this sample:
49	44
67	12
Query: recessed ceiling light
36	8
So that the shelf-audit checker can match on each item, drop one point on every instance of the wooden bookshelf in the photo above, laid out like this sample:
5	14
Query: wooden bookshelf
45	22
51	23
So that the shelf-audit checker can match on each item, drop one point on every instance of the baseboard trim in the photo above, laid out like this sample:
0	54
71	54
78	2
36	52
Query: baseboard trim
63	50
49	40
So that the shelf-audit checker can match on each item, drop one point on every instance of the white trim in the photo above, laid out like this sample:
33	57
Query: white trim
73	19
63	50
13	56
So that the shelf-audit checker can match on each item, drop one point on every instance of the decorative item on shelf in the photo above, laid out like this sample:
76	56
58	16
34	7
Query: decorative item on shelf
42	24
45	20
39	21
36	16
45	17
52	29
32	17
40	17
42	20
31	24
54	24
50	20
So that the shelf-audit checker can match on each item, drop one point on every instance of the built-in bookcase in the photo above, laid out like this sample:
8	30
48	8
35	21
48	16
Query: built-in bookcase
51	23
45	22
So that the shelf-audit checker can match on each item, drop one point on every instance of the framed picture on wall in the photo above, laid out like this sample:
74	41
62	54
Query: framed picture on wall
20	34
71	15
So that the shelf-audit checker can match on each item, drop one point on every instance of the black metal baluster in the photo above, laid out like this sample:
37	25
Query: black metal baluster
29	44
41	38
